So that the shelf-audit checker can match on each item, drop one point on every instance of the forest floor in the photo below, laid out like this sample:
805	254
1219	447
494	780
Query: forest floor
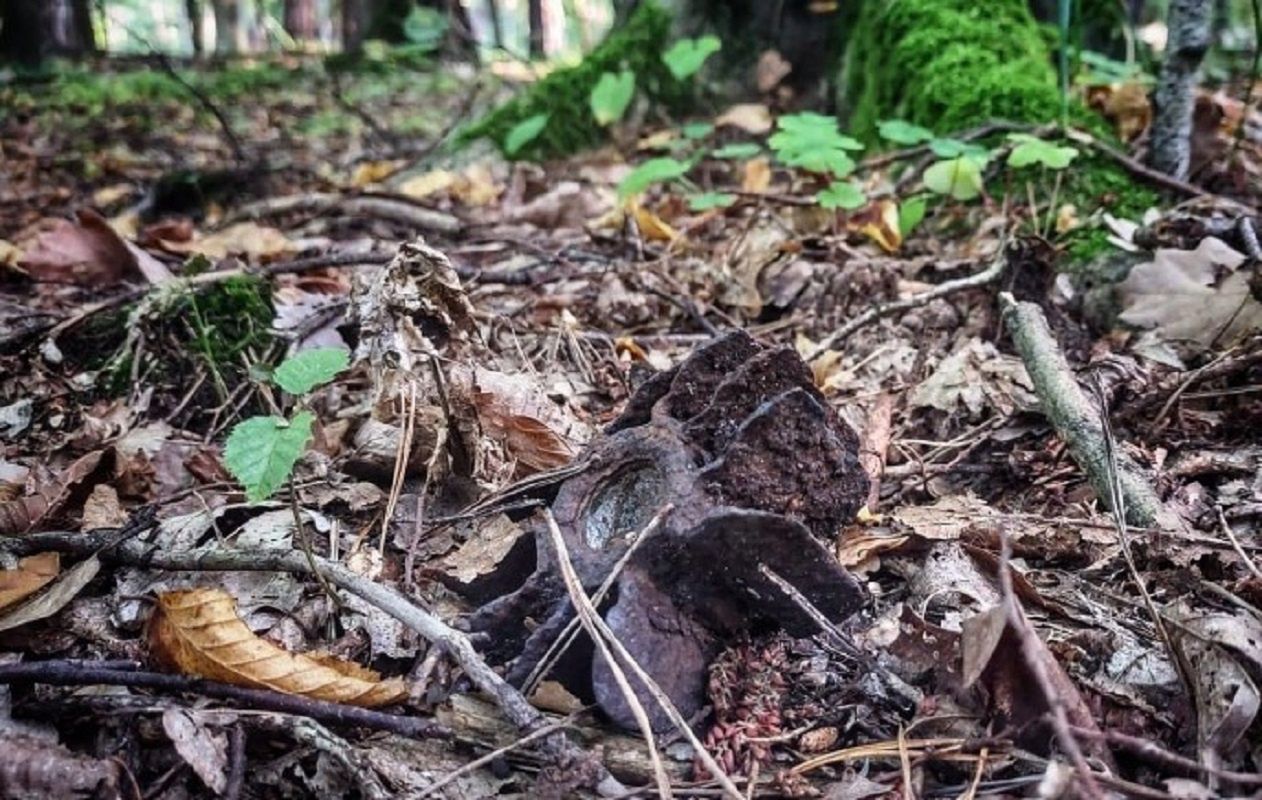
164	248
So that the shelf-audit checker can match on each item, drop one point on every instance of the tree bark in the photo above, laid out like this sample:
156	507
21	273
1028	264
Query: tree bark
193	8
354	23
227	26
299	19
1189	26
70	28
82	11
24	31
497	26
536	28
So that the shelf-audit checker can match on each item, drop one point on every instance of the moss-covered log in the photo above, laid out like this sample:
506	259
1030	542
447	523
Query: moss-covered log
565	94
947	65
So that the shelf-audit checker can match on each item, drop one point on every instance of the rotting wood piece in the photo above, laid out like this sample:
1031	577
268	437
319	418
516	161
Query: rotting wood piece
758	470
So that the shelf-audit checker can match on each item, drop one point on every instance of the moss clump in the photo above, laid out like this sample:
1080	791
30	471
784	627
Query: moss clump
565	94
1096	183
947	65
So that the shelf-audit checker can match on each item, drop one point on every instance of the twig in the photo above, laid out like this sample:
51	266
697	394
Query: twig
391	209
1235	544
236	763
986	276
1032	651
132	553
874	448
599	631
238	153
1157	754
1072	415
499	752
70	673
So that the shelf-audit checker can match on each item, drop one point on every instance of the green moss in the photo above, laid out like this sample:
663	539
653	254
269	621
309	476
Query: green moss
947	65
564	95
1096	184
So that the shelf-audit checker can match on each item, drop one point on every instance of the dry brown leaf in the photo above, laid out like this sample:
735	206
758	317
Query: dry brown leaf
879	222
198	632
31	574
653	227
54	598
772	68
752	118
514	409
102	509
421	186
244	238
370	172
87	253
757	175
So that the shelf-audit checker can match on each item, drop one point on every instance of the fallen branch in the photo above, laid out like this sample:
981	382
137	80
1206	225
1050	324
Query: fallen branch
385	208
986	276
1074	417
78	673
139	554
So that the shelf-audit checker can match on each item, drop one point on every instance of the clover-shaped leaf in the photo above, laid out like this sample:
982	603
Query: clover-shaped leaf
655	170
902	132
1031	150
960	178
842	194
611	96
686	56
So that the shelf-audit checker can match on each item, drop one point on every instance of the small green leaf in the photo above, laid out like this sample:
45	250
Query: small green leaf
954	148
697	130
833	161
524	132
686	56
813	142
910	214
843	195
708	200
1032	150
612	95
655	170
739	150
303	371
902	132
261	452
960	178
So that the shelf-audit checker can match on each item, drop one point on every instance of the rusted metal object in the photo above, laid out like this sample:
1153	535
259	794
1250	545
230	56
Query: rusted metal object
760	472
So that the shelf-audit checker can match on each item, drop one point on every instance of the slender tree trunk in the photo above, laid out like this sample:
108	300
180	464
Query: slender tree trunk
300	19
1189	26
83	25
536	28
71	27
193	8
497	26
24	31
227	26
354	23
461	41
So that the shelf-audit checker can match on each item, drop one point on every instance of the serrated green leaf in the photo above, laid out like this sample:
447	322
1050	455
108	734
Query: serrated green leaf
902	132
841	194
910	214
655	170
525	132
708	200
261	452
959	178
611	96
739	150
303	371
1032	150
813	142
686	56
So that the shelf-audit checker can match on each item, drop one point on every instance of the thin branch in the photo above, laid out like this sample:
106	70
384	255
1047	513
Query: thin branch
77	673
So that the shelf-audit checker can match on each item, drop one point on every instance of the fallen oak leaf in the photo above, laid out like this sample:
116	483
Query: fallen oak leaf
198	632
55	598
28	577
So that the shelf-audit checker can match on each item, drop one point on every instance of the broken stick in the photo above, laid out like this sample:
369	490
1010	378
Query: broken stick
1075	417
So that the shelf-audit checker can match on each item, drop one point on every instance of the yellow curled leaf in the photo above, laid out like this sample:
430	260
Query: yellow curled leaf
198	632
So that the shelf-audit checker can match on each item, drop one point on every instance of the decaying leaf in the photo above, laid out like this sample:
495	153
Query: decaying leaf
513	409
54	598
28	577
34	769
205	750
1192	297
752	118
197	632
244	238
87	253
976	376
879	222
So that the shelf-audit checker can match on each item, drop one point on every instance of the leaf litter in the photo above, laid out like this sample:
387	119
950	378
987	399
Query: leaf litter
492	363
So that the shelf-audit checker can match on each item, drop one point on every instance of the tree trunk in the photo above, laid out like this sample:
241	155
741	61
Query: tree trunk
71	27
460	40
227	26
82	10
354	23
24	31
300	19
387	19
497	26
536	28
1189	26
193	8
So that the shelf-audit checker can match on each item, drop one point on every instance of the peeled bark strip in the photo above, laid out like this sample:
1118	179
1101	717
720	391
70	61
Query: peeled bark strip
1189	26
1074	416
